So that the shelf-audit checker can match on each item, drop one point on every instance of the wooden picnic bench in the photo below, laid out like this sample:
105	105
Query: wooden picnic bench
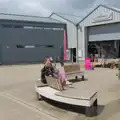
73	71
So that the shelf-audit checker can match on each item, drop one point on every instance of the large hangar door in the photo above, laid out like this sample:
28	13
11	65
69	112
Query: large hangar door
30	45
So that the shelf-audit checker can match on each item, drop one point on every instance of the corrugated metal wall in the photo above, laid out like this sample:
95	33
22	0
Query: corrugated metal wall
38	40
71	31
101	11
104	32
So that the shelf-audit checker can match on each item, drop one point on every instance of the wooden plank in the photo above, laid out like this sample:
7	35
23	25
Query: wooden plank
72	68
73	71
54	83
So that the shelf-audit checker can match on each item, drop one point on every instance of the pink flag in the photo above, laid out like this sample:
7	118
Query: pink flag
65	46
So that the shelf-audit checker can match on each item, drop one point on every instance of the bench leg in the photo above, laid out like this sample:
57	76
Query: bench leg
76	77
92	110
38	96
83	77
89	111
95	103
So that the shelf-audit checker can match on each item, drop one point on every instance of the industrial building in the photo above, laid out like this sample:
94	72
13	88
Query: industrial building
98	33
27	39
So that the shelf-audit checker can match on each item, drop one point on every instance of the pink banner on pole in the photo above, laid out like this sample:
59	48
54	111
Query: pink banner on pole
88	65
65	46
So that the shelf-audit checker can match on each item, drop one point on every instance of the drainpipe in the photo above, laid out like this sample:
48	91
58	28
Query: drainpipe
77	27
72	54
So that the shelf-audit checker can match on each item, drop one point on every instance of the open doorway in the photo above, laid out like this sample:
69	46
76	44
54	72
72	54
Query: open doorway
104	49
73	54
92	49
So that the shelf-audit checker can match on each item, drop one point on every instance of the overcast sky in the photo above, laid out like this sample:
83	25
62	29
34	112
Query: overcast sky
46	7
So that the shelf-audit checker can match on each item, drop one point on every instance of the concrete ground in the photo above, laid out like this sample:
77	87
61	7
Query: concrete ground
18	98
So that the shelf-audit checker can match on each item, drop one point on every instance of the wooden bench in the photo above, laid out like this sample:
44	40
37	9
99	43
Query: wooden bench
73	71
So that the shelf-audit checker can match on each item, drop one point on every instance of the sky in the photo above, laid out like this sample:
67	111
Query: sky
46	7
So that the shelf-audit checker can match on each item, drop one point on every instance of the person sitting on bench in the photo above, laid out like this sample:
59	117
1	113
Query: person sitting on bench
60	75
46	70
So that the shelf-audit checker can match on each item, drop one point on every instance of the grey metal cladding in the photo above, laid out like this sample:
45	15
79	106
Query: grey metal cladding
11	37
4	16
104	32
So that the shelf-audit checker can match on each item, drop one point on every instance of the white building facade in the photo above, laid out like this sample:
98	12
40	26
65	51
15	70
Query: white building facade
101	25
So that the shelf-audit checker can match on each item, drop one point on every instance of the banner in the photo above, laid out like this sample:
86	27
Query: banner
88	65
65	46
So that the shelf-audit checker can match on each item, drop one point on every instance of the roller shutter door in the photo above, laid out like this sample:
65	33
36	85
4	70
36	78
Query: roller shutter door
104	32
27	45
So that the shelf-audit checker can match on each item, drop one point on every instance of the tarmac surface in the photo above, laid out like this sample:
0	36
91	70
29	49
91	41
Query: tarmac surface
18	97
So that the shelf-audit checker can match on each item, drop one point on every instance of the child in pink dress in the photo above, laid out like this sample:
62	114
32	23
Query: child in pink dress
62	75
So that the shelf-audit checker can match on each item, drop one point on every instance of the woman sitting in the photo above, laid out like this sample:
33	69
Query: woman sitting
46	70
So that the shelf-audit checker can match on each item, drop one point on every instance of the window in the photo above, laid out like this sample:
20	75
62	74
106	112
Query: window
20	46
28	27
7	26
25	46
50	46
53	28
11	26
58	29
29	46
18	26
38	27
34	46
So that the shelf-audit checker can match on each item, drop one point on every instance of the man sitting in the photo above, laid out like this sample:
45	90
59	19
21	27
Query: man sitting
46	70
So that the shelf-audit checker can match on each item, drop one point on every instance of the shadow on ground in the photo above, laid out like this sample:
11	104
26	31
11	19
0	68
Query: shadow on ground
74	108
77	80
